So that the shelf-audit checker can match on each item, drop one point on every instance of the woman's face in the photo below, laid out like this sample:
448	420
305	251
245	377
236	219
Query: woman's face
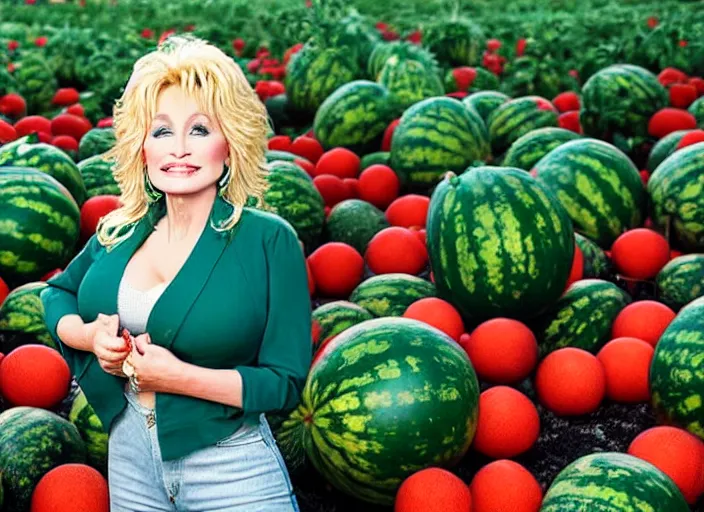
184	150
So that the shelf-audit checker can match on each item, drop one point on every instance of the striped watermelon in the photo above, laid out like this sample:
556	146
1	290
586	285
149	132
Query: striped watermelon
34	441
91	430
676	190
435	136
664	148
390	294
612	482
676	375
681	280
403	50
455	42
293	196
485	102
597	265
514	118
23	152
23	311
40	223
620	99
355	117
499	243
35	82
697	110
97	176
313	73
276	154
389	397
581	318
409	81
96	142
354	222
334	317
534	145
598	185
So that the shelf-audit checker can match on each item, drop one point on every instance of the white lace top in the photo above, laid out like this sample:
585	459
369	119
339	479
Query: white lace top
134	306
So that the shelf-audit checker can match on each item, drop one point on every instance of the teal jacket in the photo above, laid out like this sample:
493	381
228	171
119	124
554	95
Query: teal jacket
240	301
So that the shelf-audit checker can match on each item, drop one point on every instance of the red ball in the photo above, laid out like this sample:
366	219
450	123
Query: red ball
505	486
566	101
502	350
71	488
409	210
7	132
65	143
379	185
508	424
438	313
449	493
693	137
645	320
279	143
94	209
577	271
332	188
640	253
32	124
69	124
4	291
396	249
675	452
307	147
388	135
570	382
668	120
626	363
340	162
337	269
27	365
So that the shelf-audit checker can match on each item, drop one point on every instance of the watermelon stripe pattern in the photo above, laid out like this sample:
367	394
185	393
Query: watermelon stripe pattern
97	176
681	280
677	371
598	185
485	102
515	118
612	482
664	148
409	82
676	190
334	317
499	243
534	145
597	264
435	136
23	311
391	294
39	224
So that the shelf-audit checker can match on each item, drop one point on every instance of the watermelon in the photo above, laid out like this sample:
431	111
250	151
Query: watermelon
277	154
409	81
23	311
334	317
455	42
403	50
581	318
697	110
389	397
598	185
534	145
313	73
354	222
378	157
620	99
485	102
612	482
97	173
681	280
664	148
46	158
597	265
293	196
40	225
676	190
391	294
499	243
676	376
95	142
517	117
355	117
36	82
34	441
91	430
435	136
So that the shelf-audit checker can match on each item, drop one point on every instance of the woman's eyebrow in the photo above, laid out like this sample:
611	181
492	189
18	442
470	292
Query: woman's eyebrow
165	117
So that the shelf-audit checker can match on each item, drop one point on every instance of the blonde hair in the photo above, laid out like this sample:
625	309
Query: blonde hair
221	90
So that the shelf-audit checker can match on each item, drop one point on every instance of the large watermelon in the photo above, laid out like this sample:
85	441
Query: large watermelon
677	370
598	185
91	430
23	311
409	81
534	145
517	117
389	397
293	196
681	280
434	136
40	224
32	442
620	99
46	158
355	117
98	177
391	294
612	482
499	243
676	190
403	50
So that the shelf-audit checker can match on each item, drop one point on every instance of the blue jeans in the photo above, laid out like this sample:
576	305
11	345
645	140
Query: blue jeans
243	472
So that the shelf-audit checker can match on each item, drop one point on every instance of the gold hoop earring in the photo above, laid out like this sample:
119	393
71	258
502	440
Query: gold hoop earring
224	180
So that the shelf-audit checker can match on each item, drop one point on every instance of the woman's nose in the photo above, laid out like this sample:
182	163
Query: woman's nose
180	148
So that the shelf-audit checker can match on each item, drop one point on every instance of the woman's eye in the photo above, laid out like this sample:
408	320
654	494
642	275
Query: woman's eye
200	129
159	132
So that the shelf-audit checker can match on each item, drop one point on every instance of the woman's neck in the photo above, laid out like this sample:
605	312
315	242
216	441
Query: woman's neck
186	215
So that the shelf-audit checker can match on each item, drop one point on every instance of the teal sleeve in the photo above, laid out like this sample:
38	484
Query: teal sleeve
285	354
59	299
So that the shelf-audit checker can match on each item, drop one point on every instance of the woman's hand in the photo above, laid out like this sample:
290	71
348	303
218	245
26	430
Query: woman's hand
155	366
109	348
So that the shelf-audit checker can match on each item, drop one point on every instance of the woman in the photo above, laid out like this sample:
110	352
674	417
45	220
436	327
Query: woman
215	292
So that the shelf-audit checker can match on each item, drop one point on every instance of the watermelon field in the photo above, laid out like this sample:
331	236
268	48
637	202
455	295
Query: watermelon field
501	205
